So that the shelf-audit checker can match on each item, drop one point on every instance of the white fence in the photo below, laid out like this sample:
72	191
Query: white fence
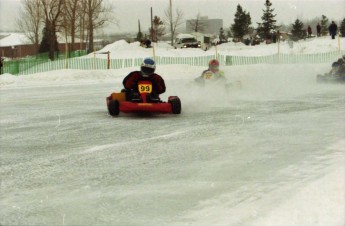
225	60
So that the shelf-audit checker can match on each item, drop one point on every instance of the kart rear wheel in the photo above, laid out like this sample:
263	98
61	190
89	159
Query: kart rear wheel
175	105
114	107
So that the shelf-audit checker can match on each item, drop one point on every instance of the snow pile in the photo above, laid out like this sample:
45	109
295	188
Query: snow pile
122	49
119	45
308	46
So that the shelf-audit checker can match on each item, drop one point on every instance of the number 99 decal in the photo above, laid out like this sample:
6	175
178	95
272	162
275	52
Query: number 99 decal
145	88
208	75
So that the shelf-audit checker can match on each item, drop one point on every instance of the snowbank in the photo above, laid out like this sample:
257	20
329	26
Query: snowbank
308	46
122	49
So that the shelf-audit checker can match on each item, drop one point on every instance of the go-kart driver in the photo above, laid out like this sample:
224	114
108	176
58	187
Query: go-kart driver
146	73
336	74
338	67
212	73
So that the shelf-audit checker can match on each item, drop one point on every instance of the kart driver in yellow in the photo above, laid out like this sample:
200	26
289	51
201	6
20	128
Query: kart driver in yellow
211	74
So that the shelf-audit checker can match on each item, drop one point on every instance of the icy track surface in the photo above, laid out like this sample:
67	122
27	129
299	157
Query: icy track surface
271	153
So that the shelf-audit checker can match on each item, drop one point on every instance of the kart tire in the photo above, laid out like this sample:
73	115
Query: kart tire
114	107
175	105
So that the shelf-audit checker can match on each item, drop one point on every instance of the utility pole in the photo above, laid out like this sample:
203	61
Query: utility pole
139	35
139	25
151	26
171	24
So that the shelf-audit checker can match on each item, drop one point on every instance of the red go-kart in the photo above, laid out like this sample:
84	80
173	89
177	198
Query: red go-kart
142	101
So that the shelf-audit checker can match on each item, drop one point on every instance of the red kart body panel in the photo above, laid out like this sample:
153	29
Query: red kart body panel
127	107
143	105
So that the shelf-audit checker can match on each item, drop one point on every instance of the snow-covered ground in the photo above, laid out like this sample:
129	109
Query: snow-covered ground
122	49
271	153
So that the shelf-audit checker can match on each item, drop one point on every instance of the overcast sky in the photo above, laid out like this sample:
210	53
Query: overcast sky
128	12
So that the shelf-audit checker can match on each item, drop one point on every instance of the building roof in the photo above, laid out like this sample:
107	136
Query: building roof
185	36
17	39
13	39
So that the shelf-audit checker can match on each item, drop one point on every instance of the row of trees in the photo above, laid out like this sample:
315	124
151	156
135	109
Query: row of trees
242	23
268	27
240	27
299	31
173	20
41	20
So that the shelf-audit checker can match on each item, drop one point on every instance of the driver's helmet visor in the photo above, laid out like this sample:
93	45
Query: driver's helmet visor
147	70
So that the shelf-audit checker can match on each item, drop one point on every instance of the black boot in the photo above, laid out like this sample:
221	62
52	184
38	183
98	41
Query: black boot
152	98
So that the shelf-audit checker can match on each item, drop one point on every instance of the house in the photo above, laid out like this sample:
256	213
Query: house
17	45
14	45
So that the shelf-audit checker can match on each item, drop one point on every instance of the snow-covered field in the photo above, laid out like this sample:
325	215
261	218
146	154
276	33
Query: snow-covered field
122	49
271	153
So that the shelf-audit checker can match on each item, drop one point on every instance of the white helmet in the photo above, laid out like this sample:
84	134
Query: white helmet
148	66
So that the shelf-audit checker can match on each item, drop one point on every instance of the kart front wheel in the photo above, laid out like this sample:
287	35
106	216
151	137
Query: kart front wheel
114	107
175	105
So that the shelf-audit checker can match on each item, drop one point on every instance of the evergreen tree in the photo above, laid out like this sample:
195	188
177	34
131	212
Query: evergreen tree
44	46
139	34
268	23
222	37
342	28
324	25
229	34
241	25
158	29
298	32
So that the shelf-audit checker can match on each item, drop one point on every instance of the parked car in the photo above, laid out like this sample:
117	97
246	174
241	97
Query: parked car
186	41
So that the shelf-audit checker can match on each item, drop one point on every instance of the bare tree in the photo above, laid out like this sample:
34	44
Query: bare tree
52	11
72	12
97	14
173	22
30	21
197	25
82	23
53	16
